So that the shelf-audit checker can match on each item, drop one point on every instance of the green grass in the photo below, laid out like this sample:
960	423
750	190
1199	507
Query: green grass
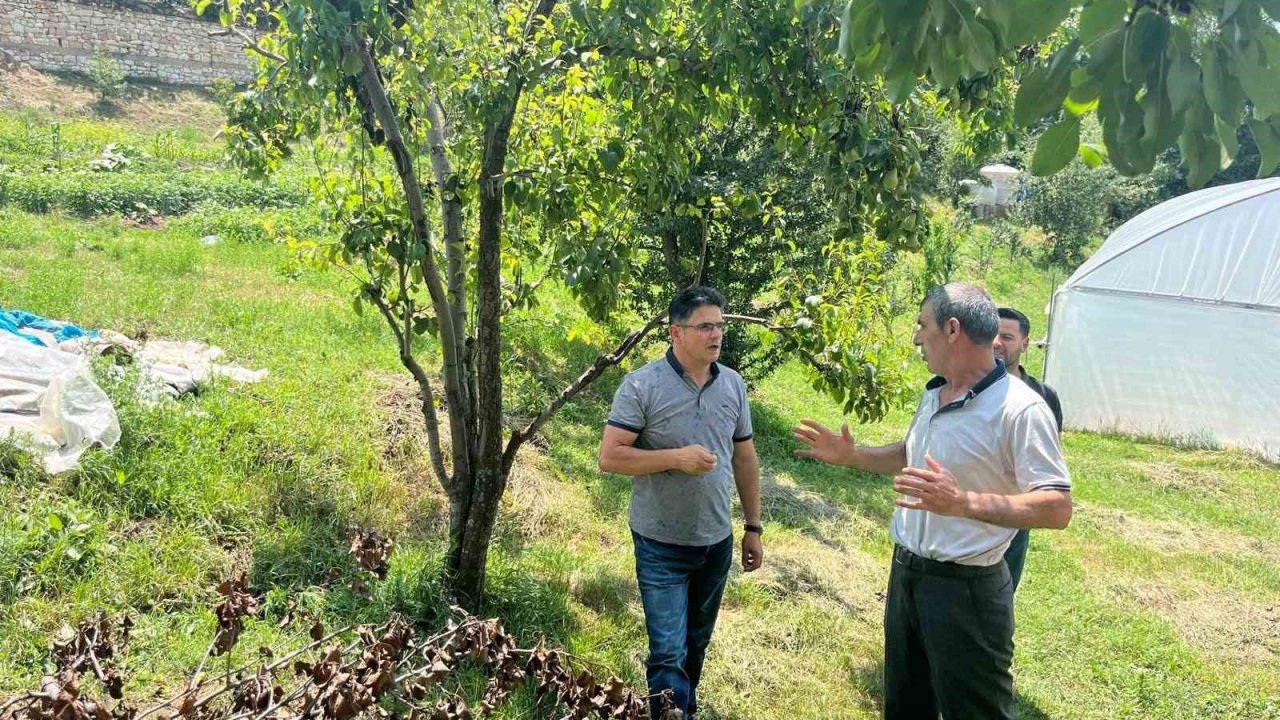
1162	600
32	139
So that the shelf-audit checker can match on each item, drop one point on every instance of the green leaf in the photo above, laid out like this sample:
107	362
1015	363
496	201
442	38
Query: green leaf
902	16
54	522
1000	13
1056	147
1160	129
1084	87
1115	148
1080	109
900	88
1268	142
979	45
1102	17
1183	80
1202	158
846	32
902	61
1229	8
1227	136
609	159
202	5
1259	81
1036	20
1093	155
1042	91
1145	43
1200	118
867	23
351	64
1221	88
1105	57
868	63
1272	7
1132	121
945	69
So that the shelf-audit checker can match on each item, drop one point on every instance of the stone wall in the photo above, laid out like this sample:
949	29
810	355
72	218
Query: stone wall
173	47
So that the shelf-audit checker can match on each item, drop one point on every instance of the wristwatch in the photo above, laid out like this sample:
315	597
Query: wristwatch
757	529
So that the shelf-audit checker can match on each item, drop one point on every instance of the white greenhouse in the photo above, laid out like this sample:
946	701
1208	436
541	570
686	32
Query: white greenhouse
1172	329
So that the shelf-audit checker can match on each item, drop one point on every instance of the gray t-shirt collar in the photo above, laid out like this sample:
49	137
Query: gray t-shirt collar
675	365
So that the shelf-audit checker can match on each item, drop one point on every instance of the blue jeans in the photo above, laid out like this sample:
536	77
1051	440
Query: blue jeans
680	587
1016	556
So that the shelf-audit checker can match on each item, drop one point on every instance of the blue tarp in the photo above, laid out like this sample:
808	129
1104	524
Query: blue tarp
15	321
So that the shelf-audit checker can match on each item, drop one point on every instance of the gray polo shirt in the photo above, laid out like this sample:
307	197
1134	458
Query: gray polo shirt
667	409
999	438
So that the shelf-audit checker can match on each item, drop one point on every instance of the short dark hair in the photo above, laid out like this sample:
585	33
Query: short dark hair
1024	324
969	304
691	299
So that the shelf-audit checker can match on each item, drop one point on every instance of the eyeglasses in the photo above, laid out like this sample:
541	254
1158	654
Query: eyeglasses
704	327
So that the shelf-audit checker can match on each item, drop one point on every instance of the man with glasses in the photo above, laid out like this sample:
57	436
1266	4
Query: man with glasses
681	427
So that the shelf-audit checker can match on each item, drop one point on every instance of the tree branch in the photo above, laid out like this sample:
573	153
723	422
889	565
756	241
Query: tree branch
267	670
250	43
752	320
589	376
454	378
538	9
702	254
455	248
807	356
424	385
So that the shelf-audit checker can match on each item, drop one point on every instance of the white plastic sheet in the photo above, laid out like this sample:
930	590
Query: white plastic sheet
50	404
1172	329
1215	245
174	367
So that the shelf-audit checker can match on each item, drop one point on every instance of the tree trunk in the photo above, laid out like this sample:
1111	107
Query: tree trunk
488	475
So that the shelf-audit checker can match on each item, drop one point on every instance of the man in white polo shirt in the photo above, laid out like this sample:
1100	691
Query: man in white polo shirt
980	460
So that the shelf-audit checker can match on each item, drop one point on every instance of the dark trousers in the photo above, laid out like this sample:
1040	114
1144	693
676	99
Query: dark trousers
1016	556
948	640
680	587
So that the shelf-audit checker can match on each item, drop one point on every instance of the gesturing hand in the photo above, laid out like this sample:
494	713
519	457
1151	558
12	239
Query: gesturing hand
696	460
824	444
935	489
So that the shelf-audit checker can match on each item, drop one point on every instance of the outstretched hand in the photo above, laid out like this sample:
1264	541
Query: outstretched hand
825	444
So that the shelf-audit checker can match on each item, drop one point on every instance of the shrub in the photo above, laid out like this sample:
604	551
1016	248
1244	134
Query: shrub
250	224
170	193
107	76
941	247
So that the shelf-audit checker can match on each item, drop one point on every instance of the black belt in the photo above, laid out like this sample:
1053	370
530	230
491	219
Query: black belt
908	559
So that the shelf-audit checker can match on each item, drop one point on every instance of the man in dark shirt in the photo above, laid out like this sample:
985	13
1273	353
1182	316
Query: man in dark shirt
1011	341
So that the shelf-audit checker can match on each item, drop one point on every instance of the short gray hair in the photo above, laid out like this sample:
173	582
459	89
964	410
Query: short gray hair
969	304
